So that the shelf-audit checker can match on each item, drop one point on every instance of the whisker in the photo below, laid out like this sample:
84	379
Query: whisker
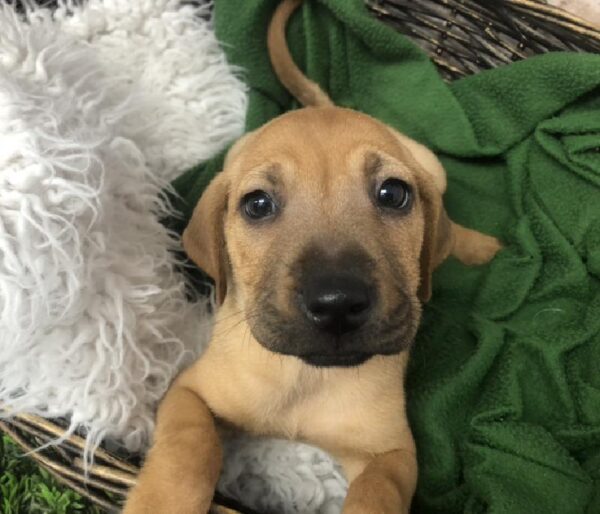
230	327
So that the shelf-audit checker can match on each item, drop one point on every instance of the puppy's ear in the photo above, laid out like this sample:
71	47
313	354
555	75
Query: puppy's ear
204	237
442	236
438	236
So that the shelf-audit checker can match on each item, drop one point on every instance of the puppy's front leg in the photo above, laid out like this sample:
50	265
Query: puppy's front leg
386	485
182	467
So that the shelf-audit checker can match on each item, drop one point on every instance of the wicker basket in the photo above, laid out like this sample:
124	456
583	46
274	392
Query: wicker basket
462	37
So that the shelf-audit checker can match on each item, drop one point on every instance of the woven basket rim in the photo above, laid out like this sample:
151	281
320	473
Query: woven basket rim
465	36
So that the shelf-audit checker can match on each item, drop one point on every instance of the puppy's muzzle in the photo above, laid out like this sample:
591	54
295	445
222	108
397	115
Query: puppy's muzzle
336	303
335	312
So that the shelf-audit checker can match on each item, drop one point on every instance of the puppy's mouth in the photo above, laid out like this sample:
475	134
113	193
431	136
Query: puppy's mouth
383	334
341	360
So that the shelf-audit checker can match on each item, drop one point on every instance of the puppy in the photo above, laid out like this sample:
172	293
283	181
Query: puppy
321	234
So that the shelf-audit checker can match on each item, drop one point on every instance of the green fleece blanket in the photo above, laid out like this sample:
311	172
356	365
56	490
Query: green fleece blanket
504	385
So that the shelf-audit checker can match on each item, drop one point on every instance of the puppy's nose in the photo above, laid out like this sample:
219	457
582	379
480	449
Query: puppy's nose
337	303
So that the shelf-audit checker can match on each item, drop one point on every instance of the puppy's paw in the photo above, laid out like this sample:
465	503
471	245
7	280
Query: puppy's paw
155	494
380	507
383	499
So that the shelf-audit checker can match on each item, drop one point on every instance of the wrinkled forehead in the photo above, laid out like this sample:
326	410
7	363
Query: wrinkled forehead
318	139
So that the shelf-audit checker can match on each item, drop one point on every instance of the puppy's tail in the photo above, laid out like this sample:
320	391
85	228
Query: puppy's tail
307	92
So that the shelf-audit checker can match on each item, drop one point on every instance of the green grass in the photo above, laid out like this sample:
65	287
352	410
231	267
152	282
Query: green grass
26	488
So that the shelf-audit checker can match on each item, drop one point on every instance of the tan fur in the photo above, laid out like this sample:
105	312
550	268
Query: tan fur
322	158
305	90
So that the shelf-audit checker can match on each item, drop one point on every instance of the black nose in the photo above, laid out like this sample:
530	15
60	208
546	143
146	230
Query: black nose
337	303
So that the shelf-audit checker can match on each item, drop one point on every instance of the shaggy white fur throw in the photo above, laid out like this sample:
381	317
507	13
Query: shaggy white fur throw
100	106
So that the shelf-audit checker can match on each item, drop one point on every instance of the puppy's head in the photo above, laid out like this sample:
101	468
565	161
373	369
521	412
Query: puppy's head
324	229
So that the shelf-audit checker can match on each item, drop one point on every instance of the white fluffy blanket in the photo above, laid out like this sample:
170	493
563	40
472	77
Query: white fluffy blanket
100	106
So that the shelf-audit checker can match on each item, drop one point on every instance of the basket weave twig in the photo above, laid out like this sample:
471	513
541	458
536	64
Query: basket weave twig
466	36
462	37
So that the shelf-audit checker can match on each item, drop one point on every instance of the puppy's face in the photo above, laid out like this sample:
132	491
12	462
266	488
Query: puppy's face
323	230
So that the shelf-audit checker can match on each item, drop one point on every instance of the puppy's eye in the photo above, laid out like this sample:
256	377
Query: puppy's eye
258	205
394	193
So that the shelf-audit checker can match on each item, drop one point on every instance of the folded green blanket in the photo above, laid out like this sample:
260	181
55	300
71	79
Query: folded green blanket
504	385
